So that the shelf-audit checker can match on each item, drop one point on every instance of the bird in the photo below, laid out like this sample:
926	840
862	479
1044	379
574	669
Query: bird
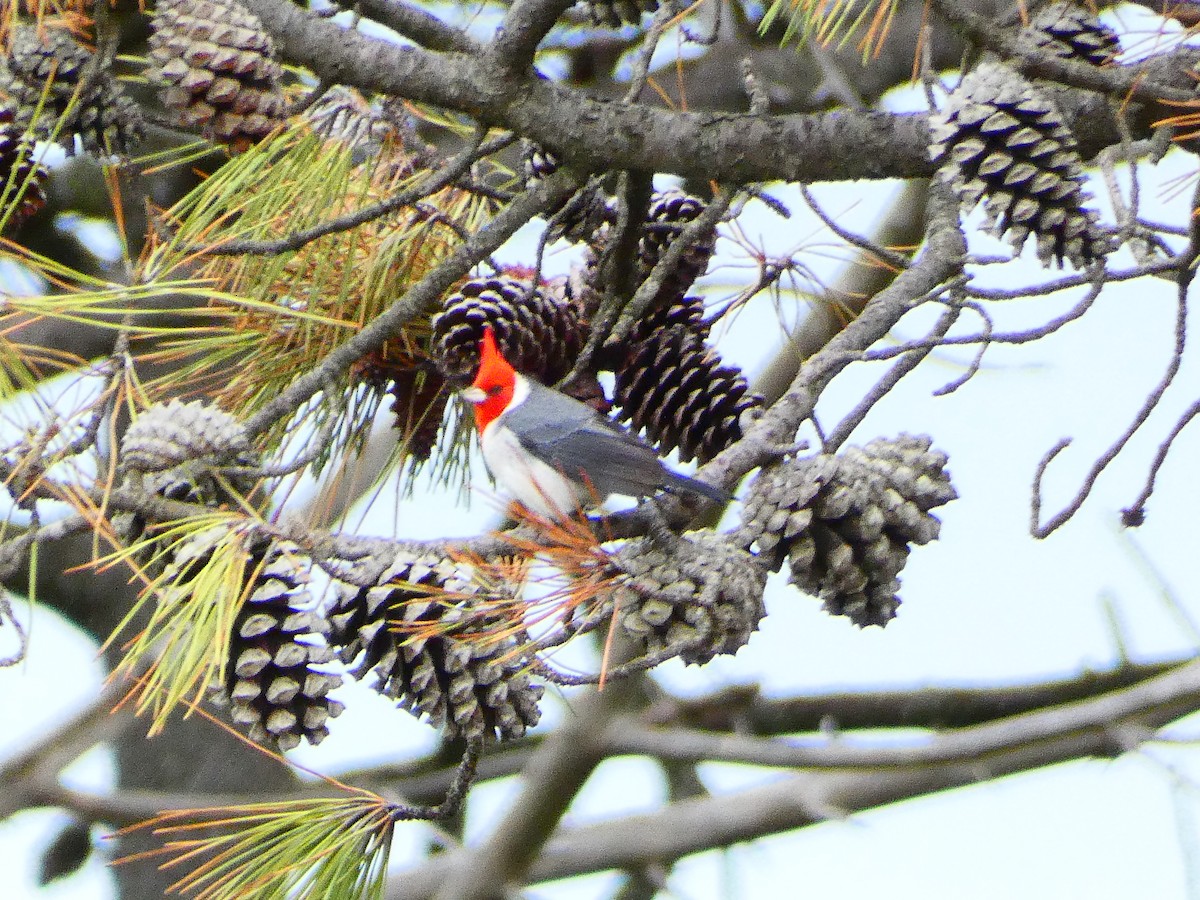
556	455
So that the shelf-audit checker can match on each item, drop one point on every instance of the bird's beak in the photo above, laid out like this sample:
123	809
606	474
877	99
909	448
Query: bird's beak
473	394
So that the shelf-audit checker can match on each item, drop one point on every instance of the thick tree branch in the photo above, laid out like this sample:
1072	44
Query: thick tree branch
524	26
593	135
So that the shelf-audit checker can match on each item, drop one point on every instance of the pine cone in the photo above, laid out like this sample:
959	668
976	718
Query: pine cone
105	120
1005	143
175	449
846	521
697	600
674	387
418	406
615	13
168	435
21	178
666	217
343	114
537	162
272	677
1071	32
539	330
418	395
217	68
432	657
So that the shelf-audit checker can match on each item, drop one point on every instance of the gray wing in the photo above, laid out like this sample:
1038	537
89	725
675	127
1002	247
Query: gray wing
570	435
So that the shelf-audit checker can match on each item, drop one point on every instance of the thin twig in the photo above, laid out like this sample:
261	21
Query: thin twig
1135	513
1185	273
884	386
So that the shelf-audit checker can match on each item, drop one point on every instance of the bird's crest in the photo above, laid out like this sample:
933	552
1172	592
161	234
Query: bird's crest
496	379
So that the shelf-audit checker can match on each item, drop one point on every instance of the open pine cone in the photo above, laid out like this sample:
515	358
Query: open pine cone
846	522
432	656
1003	142
697	600
274	678
538	328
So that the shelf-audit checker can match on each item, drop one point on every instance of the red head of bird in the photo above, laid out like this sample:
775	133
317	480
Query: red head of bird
492	390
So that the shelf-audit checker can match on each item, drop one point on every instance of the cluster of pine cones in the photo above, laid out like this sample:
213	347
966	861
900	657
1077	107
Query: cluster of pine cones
844	523
669	384
214	65
449	645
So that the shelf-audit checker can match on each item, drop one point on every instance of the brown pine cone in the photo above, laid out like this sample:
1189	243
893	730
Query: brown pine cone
615	13
847	521
418	396
433	657
1005	143
539	330
50	64
668	214
418	406
217	69
675	389
580	217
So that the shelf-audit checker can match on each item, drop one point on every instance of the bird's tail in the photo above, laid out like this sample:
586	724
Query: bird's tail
681	483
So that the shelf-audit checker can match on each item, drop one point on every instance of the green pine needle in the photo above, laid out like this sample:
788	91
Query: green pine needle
185	644
833	22
310	849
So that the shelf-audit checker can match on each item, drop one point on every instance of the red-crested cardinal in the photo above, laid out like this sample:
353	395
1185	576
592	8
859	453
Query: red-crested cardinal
554	454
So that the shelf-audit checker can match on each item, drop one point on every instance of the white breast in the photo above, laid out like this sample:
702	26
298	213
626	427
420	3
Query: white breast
538	486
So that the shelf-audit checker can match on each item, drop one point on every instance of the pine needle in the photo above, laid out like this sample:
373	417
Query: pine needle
310	849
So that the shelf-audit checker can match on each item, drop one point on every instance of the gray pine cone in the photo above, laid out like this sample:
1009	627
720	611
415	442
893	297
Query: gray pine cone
343	114
175	449
167	435
1004	143
846	522
466	680
697	600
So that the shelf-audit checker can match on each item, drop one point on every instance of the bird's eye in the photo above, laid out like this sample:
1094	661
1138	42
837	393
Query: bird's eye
495	389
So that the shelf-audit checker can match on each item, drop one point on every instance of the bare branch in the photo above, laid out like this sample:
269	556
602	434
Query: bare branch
1097	727
417	25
